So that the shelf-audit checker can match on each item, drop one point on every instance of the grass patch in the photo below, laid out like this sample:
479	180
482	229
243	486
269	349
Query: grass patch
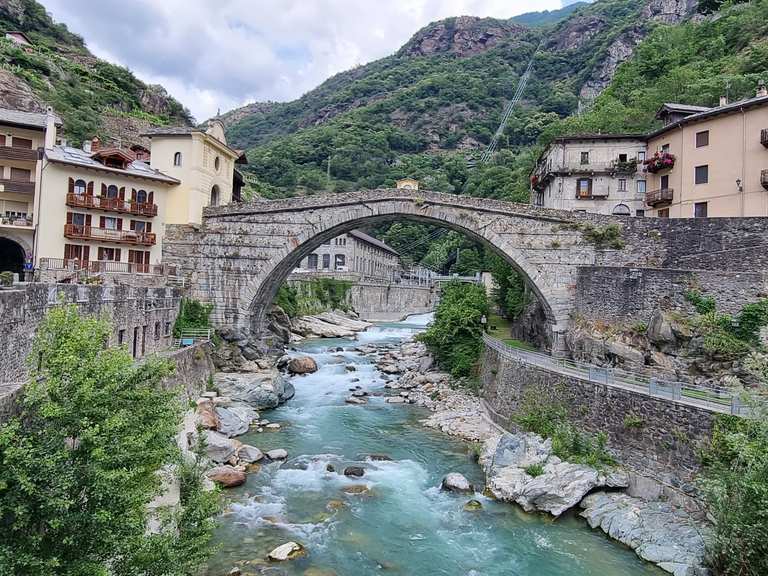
534	470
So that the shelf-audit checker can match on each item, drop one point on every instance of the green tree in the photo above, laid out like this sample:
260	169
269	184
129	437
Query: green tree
455	336
80	464
510	292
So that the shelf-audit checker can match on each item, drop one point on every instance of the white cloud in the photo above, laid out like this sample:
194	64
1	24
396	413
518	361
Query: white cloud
223	54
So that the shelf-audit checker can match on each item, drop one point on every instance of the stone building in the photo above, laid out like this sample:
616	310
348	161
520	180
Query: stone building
599	173
356	253
407	184
710	162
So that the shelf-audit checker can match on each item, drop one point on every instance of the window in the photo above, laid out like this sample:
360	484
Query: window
702	139
664	213
339	261
78	219
109	254
665	182
641	156
642	186
622	185
80	187
167	329
120	337
112	191
700	210
585	157
157	330
639	213
312	261
215	196
110	223
21	175
139	226
702	174
665	148
21	143
141	196
177	159
217	163
584	188
621	210
622	157
326	261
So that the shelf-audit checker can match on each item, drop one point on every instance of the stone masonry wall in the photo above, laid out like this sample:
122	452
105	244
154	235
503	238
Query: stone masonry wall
193	370
390	301
620	294
141	315
664	447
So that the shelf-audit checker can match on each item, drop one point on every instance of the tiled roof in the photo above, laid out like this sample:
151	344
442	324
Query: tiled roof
371	240
711	112
26	119
77	157
674	107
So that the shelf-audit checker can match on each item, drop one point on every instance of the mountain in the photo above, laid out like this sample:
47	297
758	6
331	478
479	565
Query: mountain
93	97
547	17
438	100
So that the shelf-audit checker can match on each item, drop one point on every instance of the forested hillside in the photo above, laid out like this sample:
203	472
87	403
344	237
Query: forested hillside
93	97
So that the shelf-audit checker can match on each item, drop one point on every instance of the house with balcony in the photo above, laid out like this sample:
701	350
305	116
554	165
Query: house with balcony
22	137
102	210
710	162
601	173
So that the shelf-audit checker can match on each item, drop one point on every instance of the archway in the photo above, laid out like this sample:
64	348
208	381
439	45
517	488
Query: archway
11	256
215	195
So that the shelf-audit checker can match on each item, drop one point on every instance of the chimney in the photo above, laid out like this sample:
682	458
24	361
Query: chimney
762	90
723	100
95	144
87	146
50	129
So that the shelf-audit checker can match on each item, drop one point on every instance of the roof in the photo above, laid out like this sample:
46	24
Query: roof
77	157
619	136
684	108
187	131
36	120
707	113
373	241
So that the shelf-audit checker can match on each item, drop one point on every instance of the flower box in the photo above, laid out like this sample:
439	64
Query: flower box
660	161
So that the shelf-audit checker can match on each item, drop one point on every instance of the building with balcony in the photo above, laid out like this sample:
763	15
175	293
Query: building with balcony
102	209
355	253
22	136
710	162
600	173
202	163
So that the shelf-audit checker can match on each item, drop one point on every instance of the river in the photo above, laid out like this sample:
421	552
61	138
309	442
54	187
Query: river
405	526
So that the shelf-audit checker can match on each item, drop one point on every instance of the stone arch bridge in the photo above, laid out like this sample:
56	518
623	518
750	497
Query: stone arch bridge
242	253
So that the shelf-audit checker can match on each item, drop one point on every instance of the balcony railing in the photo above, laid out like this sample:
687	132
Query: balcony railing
79	232
764	137
16	186
101	266
22	222
19	154
764	179
112	205
661	196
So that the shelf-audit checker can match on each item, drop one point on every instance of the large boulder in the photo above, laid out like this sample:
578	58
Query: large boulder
235	420
455	482
249	454
302	365
287	551
660	330
279	324
205	414
624	352
226	476
220	448
263	389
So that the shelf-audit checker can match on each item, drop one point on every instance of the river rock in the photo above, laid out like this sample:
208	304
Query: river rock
473	506
235	420
220	448
657	531
455	482
560	486
226	476
355	400
287	551
263	389
397	400
359	393
356	471
249	454
302	365
205	414
277	454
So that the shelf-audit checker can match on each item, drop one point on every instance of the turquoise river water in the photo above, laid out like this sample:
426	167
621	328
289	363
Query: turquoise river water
405	526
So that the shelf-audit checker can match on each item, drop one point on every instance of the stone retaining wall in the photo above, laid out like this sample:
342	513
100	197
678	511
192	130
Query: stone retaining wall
194	370
662	443
609	293
390	301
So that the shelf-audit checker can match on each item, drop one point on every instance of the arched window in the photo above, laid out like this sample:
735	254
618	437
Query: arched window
141	196
217	163
215	196
80	187
621	210
177	159
111	191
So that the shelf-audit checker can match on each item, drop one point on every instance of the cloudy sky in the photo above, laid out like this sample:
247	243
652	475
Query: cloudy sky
214	54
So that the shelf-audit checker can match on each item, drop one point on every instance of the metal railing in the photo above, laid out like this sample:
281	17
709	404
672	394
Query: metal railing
105	266
79	232
708	398
23	222
192	337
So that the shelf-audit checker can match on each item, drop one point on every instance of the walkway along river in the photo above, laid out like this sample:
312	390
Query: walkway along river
402	523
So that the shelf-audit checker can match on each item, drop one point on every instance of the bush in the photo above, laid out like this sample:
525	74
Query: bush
534	470
455	336
193	315
287	299
702	304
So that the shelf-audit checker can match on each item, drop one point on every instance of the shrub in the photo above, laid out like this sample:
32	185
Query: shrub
6	278
193	315
455	336
534	470
633	421
608	236
287	299
702	304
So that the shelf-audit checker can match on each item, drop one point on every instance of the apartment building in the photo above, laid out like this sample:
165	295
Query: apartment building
22	136
204	166
710	162
357	253
599	173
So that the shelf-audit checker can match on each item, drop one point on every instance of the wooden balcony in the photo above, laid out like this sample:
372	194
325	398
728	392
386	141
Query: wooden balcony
661	196
78	232
112	205
764	137
16	186
18	154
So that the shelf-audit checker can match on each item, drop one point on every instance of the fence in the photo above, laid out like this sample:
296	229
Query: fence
192	337
106	266
709	398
